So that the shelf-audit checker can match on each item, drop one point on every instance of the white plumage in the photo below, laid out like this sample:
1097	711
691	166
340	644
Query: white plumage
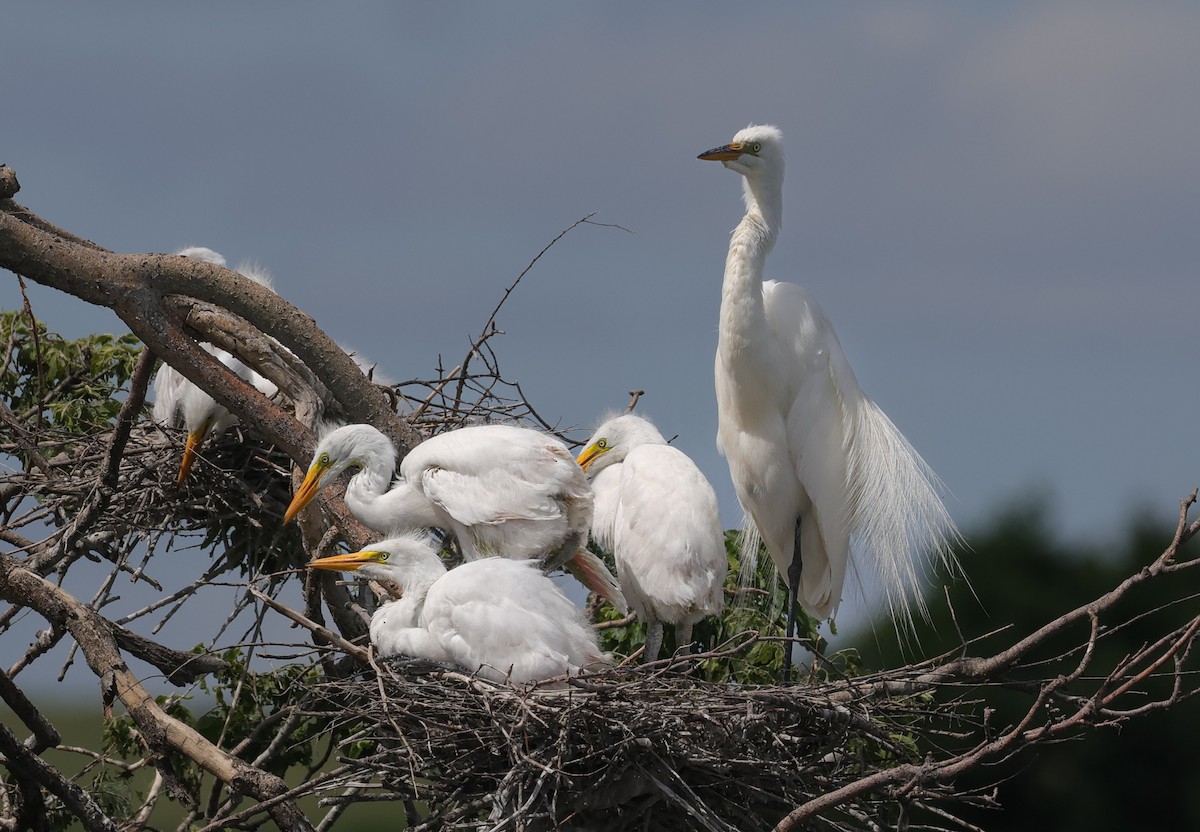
500	618
178	401
657	514
823	474
501	490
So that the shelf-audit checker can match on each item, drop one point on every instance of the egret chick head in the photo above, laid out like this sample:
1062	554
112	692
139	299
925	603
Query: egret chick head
614	439
341	449
406	560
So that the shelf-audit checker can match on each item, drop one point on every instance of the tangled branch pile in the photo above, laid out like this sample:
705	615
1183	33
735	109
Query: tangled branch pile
623	749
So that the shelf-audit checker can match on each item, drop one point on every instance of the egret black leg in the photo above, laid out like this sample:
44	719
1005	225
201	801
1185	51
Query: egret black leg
793	585
683	637
654	637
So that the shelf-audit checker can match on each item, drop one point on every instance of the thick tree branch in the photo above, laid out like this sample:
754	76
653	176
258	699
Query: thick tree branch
136	287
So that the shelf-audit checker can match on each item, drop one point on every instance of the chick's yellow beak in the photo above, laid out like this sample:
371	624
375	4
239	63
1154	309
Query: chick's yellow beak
345	563
589	455
724	153
305	493
189	453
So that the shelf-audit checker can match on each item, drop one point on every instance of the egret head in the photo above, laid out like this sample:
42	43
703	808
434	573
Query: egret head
614	439
350	446
756	152
404	560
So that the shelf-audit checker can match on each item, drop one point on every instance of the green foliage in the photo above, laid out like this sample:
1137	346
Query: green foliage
74	384
248	714
120	740
759	606
247	711
112	790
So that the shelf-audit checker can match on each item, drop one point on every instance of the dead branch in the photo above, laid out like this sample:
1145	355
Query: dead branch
137	288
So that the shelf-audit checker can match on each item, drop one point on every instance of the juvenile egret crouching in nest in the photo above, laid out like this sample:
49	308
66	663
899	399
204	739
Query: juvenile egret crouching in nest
657	514
501	490
821	472
502	619
179	401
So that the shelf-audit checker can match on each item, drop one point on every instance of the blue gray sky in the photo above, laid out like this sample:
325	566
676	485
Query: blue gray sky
996	204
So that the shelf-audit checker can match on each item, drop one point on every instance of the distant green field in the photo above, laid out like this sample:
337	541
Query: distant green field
81	726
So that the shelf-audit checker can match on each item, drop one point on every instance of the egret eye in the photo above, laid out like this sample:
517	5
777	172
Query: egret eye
324	459
754	148
383	555
602	444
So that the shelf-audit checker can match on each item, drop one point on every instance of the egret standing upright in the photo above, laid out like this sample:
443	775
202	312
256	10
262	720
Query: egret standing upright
823	475
657	514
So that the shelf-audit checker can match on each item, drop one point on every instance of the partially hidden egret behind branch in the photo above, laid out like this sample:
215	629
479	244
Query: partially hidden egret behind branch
823	475
501	490
499	618
177	400
657	514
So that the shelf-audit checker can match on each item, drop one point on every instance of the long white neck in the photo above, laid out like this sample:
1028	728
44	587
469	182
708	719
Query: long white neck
743	318
763	195
414	571
386	506
421	571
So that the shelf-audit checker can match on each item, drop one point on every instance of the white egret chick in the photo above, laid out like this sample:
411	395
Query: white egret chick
178	401
657	514
823	475
501	490
502	619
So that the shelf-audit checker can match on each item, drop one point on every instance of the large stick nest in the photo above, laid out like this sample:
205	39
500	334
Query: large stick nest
649	748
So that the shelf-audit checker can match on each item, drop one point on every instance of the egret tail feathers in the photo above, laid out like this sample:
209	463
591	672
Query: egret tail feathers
900	522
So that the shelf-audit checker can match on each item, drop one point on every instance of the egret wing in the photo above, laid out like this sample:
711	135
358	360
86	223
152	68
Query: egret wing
669	546
168	388
493	473
490	497
821	392
500	617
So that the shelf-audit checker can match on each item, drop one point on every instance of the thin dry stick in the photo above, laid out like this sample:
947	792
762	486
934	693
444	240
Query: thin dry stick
322	632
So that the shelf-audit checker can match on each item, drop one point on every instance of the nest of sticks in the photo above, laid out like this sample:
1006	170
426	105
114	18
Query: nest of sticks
649	747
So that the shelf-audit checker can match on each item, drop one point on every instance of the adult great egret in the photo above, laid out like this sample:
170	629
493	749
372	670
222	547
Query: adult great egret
657	514
499	618
501	490
177	400
823	475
